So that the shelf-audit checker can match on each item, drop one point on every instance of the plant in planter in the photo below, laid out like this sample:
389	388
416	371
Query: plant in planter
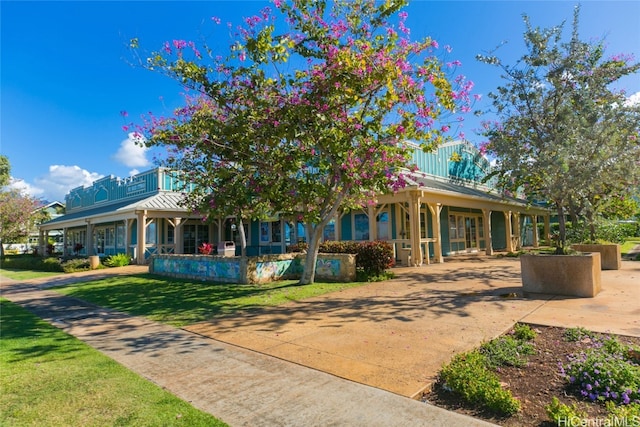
205	248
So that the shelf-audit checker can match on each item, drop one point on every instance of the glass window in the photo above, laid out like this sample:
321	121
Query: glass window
453	228
383	226
110	237
361	225
151	236
264	232
329	232
120	235
276	232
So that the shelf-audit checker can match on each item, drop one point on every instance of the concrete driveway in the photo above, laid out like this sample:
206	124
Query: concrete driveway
396	335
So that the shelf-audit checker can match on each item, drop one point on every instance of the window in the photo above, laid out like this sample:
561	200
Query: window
120	235
110	236
270	232
329	232
151	235
361	227
383	226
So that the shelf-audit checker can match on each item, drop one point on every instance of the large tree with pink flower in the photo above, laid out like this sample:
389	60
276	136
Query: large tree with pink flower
306	117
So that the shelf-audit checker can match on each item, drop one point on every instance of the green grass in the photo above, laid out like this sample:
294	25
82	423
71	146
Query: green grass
52	379
183	302
629	244
15	274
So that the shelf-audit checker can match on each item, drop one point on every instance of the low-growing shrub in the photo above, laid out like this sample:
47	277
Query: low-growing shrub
524	332
76	264
560	413
604	371
30	262
577	334
469	376
118	260
506	351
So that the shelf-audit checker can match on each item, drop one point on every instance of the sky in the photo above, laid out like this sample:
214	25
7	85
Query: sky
66	71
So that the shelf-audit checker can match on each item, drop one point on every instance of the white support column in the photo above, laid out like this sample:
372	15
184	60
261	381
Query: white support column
177	234
509	231
488	239
142	237
534	220
127	234
414	222
64	242
436	209
89	239
517	236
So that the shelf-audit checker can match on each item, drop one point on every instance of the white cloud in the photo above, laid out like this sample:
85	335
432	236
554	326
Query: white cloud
61	179
24	187
634	99
131	153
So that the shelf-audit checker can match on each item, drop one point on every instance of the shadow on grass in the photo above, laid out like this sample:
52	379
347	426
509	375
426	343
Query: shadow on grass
174	301
25	336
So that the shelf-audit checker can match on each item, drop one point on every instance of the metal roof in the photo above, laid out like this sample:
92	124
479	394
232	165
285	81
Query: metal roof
163	201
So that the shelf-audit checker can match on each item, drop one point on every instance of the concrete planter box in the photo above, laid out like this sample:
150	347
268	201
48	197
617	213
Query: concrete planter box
610	255
570	275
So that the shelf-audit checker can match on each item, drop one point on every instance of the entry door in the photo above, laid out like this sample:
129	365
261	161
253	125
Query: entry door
471	233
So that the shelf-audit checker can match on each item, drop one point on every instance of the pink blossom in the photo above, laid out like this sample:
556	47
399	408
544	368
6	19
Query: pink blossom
215	19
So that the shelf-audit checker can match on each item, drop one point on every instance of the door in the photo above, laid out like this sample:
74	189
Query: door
471	234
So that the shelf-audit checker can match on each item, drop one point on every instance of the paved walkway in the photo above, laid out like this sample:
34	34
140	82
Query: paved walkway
371	348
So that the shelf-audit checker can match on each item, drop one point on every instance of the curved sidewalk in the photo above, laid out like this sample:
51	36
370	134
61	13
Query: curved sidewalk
239	386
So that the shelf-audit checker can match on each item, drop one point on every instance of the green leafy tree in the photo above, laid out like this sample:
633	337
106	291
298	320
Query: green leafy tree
5	170
563	134
304	118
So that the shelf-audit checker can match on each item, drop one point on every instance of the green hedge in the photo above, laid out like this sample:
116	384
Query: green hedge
374	258
606	231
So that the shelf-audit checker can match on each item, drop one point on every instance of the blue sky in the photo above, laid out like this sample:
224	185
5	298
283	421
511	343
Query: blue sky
66	72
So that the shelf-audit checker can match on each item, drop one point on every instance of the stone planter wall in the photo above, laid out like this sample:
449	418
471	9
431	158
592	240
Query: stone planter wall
262	269
570	275
610	256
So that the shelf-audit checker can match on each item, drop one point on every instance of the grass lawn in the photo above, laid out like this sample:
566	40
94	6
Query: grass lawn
26	274
183	302
52	379
630	243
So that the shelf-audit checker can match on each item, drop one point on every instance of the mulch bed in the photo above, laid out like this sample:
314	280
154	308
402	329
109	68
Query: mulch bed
535	385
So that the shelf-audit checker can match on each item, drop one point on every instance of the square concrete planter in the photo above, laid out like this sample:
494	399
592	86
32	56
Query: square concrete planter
610	255
570	275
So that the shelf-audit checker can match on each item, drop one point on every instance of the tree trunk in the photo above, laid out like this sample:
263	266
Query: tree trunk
309	271
243	238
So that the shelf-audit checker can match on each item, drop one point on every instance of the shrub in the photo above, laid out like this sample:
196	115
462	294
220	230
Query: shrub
577	334
118	260
372	258
469	376
605	371
523	332
375	257
560	413
506	351
29	262
76	264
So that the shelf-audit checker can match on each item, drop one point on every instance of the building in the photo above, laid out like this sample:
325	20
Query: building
445	210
